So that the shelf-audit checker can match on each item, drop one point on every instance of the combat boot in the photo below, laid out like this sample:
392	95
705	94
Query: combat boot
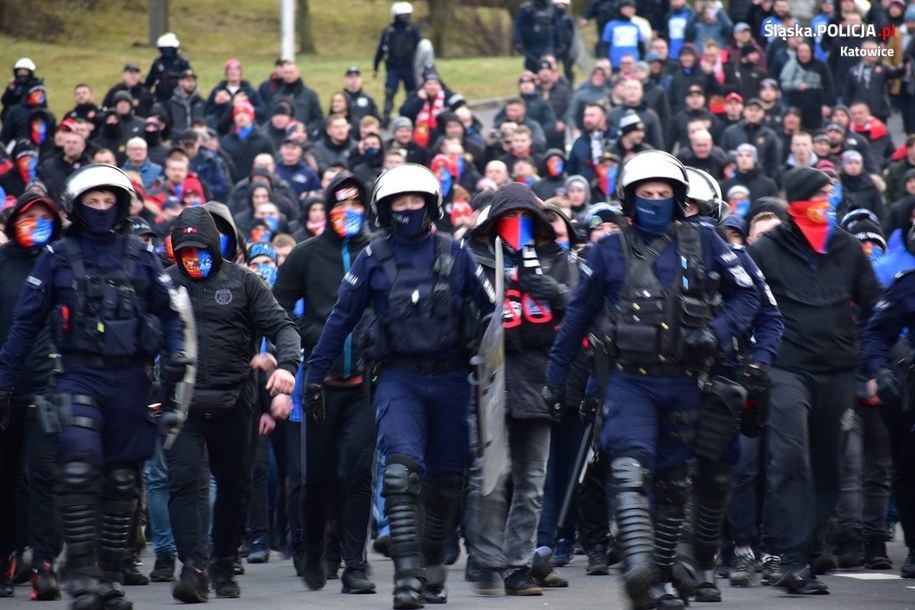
111	595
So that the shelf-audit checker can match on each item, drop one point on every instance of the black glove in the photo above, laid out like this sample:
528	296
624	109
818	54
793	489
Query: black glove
553	397
587	410
169	422
540	286
701	344
756	381
313	401
173	367
888	389
5	409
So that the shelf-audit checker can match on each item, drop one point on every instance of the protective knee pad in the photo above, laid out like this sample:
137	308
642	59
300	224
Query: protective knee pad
671	494
119	503
713	493
401	488
633	515
441	499
79	487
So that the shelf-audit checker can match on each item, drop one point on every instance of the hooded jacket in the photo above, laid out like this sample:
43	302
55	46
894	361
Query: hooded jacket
548	184
16	263
225	224
233	310
313	272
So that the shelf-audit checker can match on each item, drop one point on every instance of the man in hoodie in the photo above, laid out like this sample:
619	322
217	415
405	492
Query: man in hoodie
634	101
30	120
33	223
753	130
185	106
552	174
748	173
233	310
344	440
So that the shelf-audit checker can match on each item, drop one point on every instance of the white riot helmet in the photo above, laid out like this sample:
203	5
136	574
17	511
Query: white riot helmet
98	176
406	178
401	8
168	40
705	192
652	165
24	63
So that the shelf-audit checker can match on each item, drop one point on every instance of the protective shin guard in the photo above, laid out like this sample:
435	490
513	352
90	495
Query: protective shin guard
119	503
636	533
77	503
401	489
389	101
670	512
441	506
713	493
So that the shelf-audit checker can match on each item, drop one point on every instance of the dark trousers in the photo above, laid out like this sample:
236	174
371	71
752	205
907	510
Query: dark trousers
12	472
226	440
594	504
749	488
902	439
803	442
279	512
294	480
565	440
258	519
339	454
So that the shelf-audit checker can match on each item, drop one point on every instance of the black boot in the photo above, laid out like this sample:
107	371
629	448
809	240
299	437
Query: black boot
671	495
6	583
77	502
636	532
44	582
314	568
132	575
222	574
401	490
355	578
111	594
441	506
119	503
193	586
875	557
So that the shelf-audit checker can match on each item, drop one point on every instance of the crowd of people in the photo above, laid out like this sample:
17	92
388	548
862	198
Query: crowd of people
240	287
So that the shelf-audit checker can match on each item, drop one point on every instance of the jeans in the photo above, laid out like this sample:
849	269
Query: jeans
163	541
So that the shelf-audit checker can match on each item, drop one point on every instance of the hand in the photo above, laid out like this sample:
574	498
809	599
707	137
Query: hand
825	111
560	126
265	362
281	382
281	406
756	380
541	286
701	344
222	97
888	389
553	398
587	410
582	22
174	366
870	390
5	409
266	425
421	94
374	73
169	421
313	402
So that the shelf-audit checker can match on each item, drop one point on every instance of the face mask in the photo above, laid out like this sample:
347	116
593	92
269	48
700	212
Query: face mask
273	222
409	223
444	176
224	243
268	272
33	232
169	52
516	231
153	138
315	228
372	152
39	131
816	220
555	166
836	196
346	223
196	261
260	234
111	130
36	98
564	245
740	207
99	221
653	216
28	167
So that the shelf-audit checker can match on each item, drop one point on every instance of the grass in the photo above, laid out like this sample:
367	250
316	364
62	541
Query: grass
97	42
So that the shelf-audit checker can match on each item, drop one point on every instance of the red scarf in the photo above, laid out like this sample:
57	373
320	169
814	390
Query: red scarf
816	220
874	127
425	120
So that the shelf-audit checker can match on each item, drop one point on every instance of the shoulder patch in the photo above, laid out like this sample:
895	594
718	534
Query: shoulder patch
351	279
728	257
741	277
33	281
903	273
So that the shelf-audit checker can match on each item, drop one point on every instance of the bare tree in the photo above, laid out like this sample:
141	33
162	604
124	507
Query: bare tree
306	37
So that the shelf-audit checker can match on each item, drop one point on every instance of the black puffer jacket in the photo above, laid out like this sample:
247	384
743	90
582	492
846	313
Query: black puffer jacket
313	272
233	310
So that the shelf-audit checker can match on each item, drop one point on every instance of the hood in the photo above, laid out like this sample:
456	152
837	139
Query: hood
195	226
225	224
22	203
553	152
516	196
343	178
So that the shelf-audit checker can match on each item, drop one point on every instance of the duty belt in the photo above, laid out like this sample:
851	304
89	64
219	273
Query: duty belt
659	370
427	367
101	362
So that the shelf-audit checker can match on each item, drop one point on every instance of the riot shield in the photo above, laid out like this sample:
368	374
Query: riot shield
489	380
180	396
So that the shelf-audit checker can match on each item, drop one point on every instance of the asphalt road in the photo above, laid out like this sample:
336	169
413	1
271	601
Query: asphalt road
274	586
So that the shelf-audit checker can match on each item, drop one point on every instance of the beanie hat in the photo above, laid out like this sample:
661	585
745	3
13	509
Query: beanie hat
261	248
281	107
231	63
748	148
737	188
630	121
865	226
580	182
827	167
852	156
604	212
802	183
243	107
401	122
458	209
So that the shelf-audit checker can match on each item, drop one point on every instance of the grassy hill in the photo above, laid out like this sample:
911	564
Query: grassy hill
74	41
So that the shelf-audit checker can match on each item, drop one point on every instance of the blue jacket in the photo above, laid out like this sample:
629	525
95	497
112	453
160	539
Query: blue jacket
366	284
893	313
149	172
767	325
602	278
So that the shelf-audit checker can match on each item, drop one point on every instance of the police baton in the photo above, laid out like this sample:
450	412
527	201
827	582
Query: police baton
581	462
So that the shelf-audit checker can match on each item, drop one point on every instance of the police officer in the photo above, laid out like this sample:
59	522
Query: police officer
417	283
233	309
717	444
660	279
109	308
397	47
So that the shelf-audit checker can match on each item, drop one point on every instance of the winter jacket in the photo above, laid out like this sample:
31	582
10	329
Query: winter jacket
327	153
218	110
654	134
306	107
868	83
768	147
182	109
243	150
865	193
895	179
819	89
760	185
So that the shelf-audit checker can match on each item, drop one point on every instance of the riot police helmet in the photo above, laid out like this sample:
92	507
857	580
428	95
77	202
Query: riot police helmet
24	63
705	192
168	40
401	8
401	180
98	177
652	165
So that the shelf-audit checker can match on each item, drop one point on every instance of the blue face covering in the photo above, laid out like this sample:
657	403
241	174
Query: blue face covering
268	272
564	245
99	221
836	196
224	243
273	222
653	216
409	223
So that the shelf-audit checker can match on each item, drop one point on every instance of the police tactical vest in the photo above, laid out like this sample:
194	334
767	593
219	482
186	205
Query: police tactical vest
398	43
423	318
106	318
649	320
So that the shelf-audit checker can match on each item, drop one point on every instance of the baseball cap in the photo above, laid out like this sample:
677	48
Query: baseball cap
835	127
131	67
741	27
188	74
754	101
768	83
352	70
694	89
733	97
401	122
651	56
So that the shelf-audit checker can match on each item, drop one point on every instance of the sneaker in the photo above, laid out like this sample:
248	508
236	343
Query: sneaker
771	569
133	577
598	565
742	572
542	571
223	578
487	582
564	553
908	565
237	566
614	556
875	557
382	545
163	570
259	554
799	578
44	583
356	581
193	586
314	570
725	566
849	554
519	582
824	563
